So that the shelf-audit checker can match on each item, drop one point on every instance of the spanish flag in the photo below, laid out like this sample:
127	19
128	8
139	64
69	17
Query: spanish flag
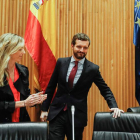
40	38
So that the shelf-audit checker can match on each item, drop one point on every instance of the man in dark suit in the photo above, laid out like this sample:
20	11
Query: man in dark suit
73	77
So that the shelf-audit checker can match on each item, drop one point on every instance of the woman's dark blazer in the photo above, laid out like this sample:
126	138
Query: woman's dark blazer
7	104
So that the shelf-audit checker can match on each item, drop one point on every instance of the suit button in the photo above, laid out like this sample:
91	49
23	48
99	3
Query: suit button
6	119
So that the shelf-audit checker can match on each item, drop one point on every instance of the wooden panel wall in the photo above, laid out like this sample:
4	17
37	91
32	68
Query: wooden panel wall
109	24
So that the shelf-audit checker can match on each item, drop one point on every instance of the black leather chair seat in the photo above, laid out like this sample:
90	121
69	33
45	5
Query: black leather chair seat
23	131
126	127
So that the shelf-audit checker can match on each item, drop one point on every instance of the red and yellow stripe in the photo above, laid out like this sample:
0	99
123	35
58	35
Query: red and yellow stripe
40	39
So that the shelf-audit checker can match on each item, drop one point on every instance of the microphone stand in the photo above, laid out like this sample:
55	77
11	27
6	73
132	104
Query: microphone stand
72	111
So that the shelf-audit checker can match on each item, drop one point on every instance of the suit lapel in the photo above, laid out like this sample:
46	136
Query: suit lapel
22	81
65	67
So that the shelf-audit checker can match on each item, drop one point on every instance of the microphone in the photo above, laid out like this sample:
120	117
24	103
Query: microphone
72	109
72	112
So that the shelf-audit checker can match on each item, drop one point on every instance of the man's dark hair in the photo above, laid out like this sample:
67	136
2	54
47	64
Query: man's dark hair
80	36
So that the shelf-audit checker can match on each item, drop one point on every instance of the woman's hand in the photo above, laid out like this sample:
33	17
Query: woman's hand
36	98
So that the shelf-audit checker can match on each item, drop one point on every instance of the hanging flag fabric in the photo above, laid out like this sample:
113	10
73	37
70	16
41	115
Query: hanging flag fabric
137	73
136	41
40	38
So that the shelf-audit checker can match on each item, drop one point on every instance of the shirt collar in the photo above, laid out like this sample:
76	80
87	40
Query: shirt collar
81	61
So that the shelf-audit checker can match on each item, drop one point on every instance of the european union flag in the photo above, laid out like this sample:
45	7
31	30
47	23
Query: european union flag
136	41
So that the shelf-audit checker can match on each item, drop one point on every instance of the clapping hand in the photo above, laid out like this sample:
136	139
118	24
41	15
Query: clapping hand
36	98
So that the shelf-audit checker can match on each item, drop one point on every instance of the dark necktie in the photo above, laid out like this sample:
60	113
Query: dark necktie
72	74
71	78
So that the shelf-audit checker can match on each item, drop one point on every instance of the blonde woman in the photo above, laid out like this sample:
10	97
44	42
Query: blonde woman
14	85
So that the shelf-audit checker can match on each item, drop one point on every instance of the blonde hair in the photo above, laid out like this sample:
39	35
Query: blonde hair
9	44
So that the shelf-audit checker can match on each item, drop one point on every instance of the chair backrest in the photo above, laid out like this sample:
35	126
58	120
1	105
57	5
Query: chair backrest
23	131
126	127
134	109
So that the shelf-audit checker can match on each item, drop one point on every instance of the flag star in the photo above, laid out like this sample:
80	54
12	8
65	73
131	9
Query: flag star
138	21
138	4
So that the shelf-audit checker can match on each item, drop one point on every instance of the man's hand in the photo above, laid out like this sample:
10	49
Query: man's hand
117	112
43	116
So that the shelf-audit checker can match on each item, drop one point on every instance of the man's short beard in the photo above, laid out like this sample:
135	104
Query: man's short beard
79	57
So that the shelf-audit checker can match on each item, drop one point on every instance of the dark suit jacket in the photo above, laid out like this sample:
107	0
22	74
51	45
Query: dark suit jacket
76	96
7	104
